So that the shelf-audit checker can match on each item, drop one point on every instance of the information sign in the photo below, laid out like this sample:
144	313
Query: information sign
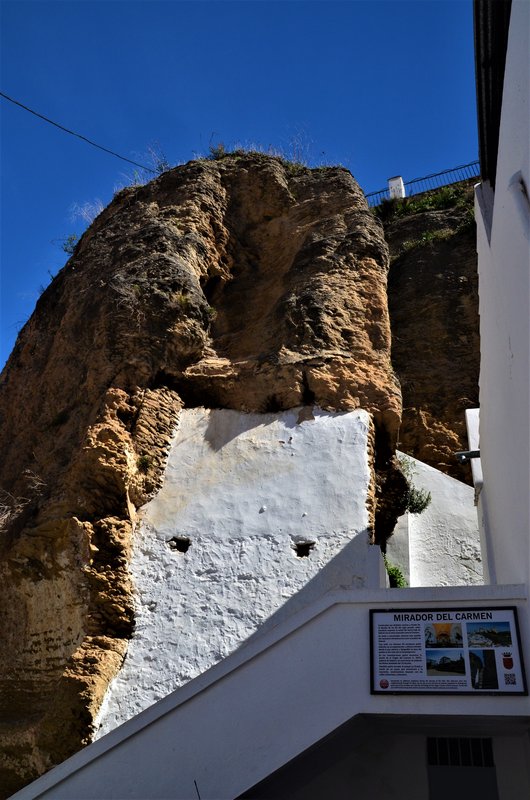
446	651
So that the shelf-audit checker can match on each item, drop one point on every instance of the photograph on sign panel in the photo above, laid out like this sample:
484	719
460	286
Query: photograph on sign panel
443	634
489	634
483	669
446	662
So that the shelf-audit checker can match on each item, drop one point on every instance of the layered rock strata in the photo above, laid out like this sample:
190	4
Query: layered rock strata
244	283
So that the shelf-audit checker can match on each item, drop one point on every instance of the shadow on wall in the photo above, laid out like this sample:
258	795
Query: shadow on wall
224	427
357	566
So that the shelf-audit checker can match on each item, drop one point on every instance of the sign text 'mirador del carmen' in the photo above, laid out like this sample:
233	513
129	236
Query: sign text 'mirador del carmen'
446	651
431	616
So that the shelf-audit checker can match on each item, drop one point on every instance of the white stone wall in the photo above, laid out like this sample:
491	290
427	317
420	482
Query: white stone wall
245	489
271	700
440	546
503	239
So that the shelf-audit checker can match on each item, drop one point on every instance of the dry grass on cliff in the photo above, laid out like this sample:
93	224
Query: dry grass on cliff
11	506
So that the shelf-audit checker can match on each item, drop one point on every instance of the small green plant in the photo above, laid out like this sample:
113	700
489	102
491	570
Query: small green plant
446	197
416	500
468	221
183	301
143	463
426	238
395	575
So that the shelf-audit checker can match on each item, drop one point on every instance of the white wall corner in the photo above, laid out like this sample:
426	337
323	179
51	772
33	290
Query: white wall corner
484	202
473	438
443	541
398	546
376	574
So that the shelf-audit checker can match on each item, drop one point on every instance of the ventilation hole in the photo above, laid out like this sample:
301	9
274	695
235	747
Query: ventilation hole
459	752
302	549
179	543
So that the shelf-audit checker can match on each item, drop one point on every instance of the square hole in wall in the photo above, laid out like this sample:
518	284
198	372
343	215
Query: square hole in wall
180	544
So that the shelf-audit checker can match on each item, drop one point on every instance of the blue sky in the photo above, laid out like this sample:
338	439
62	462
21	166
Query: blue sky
383	87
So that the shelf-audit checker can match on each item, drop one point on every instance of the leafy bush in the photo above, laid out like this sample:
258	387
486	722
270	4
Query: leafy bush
446	197
395	575
416	500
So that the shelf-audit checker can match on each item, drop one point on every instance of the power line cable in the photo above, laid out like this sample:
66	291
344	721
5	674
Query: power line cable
79	136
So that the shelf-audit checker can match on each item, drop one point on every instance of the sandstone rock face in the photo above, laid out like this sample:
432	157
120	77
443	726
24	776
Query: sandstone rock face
433	303
244	283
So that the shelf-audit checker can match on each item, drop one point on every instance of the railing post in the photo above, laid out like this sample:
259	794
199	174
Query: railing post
396	187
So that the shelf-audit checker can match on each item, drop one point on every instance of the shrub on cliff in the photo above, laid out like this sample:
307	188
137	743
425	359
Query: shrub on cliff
446	197
416	500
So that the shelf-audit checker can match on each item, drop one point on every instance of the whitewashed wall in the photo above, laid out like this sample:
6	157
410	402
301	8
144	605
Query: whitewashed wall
440	546
244	489
269	701
503	231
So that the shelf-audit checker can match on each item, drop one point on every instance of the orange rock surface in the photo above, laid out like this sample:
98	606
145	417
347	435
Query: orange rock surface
245	283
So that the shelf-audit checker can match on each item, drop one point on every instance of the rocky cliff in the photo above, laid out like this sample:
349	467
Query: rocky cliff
433	303
244	283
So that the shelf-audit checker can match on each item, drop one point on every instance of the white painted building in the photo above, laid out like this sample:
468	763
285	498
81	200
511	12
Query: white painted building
502	210
285	702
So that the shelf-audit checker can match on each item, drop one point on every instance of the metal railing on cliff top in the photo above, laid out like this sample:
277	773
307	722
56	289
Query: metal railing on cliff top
429	182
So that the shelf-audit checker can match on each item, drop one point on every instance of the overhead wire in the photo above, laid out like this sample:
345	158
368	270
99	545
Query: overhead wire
78	135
